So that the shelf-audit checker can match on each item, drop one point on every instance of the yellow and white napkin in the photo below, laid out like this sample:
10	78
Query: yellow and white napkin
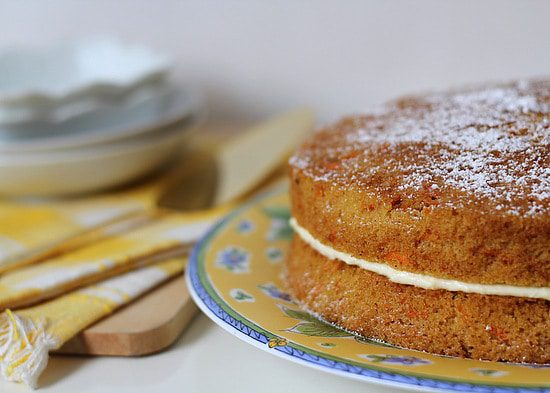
33	230
28	335
157	239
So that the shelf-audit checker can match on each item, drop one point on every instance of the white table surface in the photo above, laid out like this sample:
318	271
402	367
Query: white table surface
205	359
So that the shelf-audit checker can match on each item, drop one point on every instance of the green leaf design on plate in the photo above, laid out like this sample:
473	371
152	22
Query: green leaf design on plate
376	358
284	233
280	212
311	326
299	314
364	340
488	373
280	228
318	329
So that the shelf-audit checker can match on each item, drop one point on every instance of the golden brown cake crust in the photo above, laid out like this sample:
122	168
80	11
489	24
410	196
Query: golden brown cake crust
495	328
453	185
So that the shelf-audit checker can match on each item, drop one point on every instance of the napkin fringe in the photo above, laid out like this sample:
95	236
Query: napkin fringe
24	347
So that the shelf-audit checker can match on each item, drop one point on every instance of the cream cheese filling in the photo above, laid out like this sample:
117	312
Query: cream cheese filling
416	279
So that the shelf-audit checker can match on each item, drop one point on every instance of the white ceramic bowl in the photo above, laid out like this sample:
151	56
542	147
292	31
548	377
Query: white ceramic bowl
62	82
88	169
114	124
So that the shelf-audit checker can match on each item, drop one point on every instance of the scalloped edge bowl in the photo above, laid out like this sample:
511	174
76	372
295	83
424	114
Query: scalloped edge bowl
67	80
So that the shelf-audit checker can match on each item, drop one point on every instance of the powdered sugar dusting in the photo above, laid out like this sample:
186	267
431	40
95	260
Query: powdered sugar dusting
489	144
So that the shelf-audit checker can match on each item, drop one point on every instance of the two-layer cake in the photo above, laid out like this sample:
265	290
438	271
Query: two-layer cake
426	224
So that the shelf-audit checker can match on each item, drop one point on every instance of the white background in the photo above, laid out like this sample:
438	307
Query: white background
255	58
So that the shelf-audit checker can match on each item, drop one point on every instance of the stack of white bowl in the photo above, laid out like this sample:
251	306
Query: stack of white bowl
86	117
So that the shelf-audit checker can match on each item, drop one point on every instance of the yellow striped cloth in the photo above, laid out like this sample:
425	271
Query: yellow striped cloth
157	239
27	335
33	230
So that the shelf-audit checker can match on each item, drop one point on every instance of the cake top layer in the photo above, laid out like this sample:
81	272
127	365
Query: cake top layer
486	146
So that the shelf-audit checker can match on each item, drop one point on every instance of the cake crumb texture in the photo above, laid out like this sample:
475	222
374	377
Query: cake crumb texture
496	328
454	185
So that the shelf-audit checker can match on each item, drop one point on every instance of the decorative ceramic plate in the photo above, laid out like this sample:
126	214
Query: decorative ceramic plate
234	277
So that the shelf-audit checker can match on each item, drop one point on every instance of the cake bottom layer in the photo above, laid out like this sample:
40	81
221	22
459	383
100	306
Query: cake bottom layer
498	328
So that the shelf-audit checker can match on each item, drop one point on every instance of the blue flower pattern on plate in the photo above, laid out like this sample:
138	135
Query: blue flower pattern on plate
245	226
272	290
234	259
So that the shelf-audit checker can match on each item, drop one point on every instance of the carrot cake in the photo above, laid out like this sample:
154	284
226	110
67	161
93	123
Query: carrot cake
426	223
